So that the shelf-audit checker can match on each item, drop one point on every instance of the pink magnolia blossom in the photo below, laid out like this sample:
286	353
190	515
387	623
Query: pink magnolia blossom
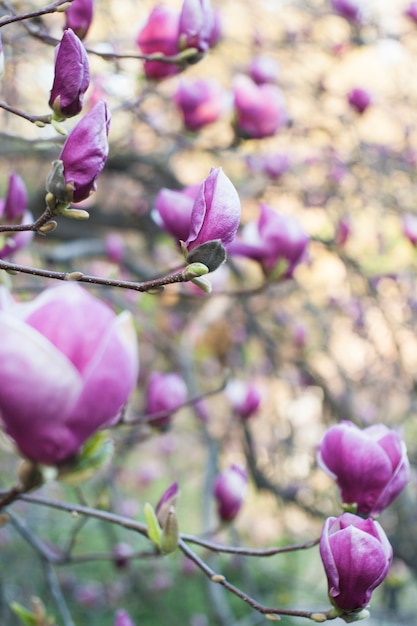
164	394
85	152
160	34
370	466
359	100
13	210
260	109
79	17
200	102
272	239
172	210
263	69
230	491
356	556
216	211
72	76
67	367
197	25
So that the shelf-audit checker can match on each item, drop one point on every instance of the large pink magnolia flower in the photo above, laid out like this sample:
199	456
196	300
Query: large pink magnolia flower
67	367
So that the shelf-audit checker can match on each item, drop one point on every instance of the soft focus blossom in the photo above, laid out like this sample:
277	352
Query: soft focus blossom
13	210
72	76
229	491
196	25
343	230
164	394
200	102
260	109
409	225
276	164
370	466
172	210
216	211
349	9
123	618
245	397
359	100
67	367
356	556
79	16
122	554
160	34
272	239
85	151
166	502
411	11
263	69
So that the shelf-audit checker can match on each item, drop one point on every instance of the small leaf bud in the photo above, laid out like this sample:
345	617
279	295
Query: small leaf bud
211	253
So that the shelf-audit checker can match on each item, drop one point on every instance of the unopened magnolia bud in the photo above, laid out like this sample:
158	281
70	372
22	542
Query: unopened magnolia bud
195	270
56	186
49	227
170	533
166	503
211	253
75	214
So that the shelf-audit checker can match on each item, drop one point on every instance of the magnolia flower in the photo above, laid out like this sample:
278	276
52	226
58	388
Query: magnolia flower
359	100
263	69
85	152
230	490
196	25
356	556
72	76
370	466
123	618
160	34
79	16
349	9
216	211
165	394
67	367
272	239
260	109
245	398
13	210
200	102
172	210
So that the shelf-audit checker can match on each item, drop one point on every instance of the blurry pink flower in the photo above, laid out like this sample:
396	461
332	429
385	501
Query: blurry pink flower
260	109
263	69
123	618
160	34
411	11
230	490
85	152
79	16
245	398
359	100
115	247
165	393
343	230
273	238
409	225
200	102
197	25
13	210
71	78
349	9
67	367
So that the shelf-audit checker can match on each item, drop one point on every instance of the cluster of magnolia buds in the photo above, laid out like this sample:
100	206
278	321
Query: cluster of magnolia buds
371	468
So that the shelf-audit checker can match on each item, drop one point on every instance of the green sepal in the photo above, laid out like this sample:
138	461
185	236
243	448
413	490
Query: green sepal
26	616
154	529
95	452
